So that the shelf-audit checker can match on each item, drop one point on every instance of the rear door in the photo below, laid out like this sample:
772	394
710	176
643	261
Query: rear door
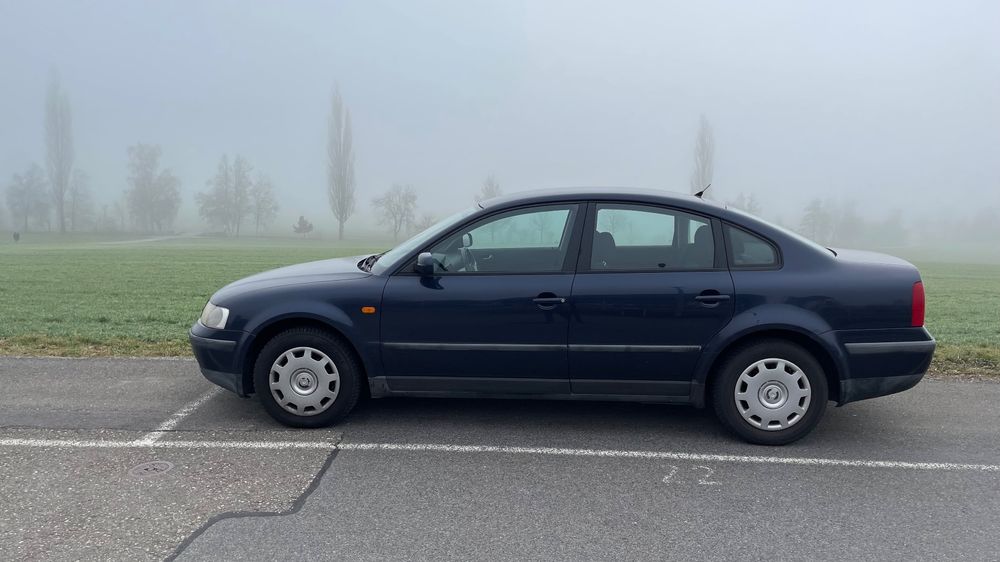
651	289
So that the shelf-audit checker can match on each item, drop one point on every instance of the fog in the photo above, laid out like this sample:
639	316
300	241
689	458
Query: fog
890	105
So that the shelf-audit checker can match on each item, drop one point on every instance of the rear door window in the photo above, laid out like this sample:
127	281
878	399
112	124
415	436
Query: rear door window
647	238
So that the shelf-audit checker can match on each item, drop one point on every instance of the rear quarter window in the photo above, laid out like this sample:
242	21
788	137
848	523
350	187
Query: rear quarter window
749	250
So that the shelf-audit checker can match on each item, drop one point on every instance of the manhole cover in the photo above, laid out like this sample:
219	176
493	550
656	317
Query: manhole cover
151	468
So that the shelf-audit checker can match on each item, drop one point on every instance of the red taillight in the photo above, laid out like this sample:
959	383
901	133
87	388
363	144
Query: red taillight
919	305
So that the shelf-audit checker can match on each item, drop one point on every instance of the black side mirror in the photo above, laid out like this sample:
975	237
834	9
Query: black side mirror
425	264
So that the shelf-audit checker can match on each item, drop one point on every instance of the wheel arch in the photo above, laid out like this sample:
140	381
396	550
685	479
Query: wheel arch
829	359
266	332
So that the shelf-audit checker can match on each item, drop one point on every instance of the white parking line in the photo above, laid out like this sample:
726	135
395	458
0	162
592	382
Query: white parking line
144	444
495	449
665	455
175	419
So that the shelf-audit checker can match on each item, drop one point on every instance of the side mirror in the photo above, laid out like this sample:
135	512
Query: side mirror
425	264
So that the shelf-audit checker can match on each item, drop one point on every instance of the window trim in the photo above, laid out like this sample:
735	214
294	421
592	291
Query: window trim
590	226
779	257
573	245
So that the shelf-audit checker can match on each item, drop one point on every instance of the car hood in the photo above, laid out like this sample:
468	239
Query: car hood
337	269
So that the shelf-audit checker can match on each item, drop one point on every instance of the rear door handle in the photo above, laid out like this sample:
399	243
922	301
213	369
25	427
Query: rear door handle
710	298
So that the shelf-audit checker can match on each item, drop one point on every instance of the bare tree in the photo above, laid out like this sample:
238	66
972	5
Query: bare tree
748	203
704	156
614	221
426	221
242	183
106	221
396	208
817	221
80	205
541	222
340	162
230	198
214	205
118	210
59	146
27	198
263	205
489	190
153	196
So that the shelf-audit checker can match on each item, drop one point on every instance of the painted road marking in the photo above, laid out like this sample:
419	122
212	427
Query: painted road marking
179	415
661	455
145	444
474	449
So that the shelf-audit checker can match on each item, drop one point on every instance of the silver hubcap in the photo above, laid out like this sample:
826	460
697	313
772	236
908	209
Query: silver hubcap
304	381
772	394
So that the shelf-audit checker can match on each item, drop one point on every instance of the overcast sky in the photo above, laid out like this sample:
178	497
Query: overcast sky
896	104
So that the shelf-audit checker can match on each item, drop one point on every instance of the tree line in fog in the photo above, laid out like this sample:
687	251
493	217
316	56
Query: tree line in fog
238	198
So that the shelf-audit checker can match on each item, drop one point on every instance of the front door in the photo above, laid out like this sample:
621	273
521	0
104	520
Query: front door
652	288
494	317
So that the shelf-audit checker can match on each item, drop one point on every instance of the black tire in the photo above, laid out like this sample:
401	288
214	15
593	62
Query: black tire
347	366
729	373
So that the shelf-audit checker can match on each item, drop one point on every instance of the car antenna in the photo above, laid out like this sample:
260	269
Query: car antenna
702	192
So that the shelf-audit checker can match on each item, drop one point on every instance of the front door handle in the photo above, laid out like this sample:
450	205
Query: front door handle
711	298
548	301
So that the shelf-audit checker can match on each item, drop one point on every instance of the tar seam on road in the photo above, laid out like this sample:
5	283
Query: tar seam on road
176	418
295	508
497	449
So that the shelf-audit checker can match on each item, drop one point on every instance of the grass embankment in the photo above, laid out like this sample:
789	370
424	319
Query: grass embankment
104	297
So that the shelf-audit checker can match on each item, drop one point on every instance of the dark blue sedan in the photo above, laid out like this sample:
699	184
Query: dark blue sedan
583	295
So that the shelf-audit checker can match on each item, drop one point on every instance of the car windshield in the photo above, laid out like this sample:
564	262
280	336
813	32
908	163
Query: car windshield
389	259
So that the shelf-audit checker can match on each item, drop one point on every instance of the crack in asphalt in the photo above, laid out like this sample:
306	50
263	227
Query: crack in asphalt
296	506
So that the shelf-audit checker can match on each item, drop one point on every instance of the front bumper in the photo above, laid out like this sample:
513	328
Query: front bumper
217	352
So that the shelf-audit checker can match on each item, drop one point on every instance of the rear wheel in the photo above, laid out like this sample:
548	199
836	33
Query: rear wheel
307	378
772	392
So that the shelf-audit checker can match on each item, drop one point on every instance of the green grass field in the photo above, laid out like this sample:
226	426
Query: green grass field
112	297
107	296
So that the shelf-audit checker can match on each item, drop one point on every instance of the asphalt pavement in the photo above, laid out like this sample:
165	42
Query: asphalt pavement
916	475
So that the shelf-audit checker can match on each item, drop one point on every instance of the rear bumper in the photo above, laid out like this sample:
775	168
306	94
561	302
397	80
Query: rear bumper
852	390
882	366
218	357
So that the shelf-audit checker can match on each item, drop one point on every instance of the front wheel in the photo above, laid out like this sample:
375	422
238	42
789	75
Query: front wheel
307	378
771	392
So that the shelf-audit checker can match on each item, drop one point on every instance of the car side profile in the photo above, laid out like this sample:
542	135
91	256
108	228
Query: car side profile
599	294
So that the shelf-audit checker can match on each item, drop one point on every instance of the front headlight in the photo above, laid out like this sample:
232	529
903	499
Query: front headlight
214	316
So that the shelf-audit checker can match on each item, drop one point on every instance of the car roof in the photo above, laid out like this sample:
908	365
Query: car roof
614	193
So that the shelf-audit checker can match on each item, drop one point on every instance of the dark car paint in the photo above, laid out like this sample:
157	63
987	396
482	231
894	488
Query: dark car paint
615	337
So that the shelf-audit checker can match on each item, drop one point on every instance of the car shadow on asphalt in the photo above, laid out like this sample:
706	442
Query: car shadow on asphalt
516	422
